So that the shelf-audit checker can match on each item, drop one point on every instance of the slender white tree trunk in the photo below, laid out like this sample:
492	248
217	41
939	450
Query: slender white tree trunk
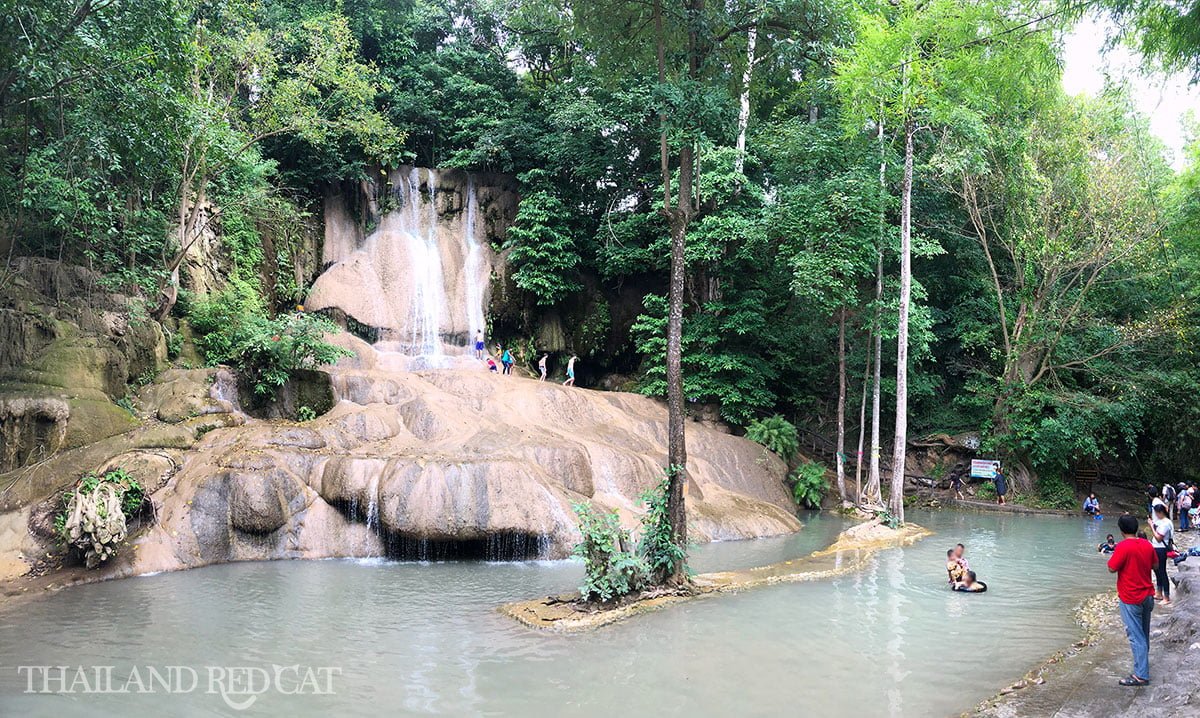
739	161
874	493
841	407
896	498
862	427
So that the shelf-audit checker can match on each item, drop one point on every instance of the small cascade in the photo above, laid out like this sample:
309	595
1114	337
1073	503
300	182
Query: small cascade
373	504
472	274
428	285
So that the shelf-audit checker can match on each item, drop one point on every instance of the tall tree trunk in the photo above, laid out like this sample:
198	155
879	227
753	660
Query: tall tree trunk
874	492
677	219
840	456
899	448
862	424
739	161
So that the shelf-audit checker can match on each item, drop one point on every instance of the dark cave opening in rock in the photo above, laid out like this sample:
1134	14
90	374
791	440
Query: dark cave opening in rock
499	546
492	546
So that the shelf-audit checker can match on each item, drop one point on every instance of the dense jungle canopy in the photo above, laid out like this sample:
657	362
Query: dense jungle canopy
812	146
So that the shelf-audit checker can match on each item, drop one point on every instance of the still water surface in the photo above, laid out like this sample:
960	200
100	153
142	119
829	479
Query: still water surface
424	639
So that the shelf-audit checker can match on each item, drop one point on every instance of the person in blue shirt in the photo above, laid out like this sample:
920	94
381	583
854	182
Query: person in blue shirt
1091	505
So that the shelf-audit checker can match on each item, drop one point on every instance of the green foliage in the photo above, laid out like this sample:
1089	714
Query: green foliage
610	569
265	351
305	413
808	484
656	546
776	434
720	361
889	519
541	250
1054	493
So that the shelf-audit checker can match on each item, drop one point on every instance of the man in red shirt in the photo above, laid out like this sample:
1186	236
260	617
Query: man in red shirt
1133	561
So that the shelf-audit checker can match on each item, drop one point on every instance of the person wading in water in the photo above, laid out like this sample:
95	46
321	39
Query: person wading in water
1132	560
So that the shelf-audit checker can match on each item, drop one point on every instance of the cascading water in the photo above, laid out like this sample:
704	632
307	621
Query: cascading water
373	503
428	284
473	282
416	286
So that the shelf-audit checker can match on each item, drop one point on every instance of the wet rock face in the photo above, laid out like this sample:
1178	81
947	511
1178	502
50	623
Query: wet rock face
447	463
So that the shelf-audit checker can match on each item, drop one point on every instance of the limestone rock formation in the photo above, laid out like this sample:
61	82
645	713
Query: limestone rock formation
68	349
414	268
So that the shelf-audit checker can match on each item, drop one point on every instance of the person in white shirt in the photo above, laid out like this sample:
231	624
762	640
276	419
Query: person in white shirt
1161	531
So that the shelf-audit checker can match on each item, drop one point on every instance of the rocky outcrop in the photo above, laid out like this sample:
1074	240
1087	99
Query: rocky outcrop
68	349
433	464
442	463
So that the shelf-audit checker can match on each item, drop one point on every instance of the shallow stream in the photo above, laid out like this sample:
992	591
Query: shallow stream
424	639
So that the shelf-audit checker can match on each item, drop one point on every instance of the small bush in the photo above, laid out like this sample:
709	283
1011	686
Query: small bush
887	518
808	485
1054	493
94	515
610	570
777	434
265	351
986	490
656	546
306	413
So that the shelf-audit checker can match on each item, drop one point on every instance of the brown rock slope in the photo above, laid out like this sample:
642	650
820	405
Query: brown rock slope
446	463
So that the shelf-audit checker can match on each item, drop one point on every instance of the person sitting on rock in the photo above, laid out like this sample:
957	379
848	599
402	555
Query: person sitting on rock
970	584
1109	544
492	365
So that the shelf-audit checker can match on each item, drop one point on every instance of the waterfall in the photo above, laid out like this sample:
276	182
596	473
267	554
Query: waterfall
473	283
373	503
416	285
428	285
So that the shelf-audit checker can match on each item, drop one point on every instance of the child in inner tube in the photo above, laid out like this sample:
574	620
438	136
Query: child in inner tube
969	584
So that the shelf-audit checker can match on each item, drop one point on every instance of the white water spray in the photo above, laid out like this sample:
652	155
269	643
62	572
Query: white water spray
428	284
473	282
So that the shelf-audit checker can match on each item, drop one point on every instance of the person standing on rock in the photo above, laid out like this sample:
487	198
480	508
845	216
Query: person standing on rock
1132	560
507	360
1168	499
570	371
479	346
542	367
